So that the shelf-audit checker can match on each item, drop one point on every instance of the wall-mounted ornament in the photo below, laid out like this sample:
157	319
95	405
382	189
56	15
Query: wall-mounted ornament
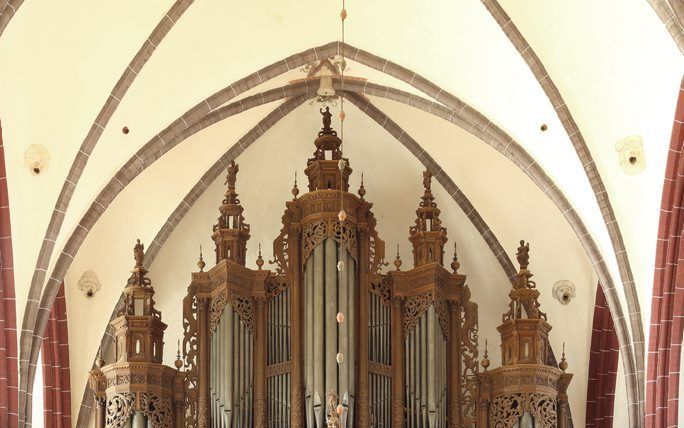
631	154
89	284
36	158
563	291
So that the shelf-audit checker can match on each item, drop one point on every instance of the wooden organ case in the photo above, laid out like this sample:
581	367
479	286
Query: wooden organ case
278	348
266	348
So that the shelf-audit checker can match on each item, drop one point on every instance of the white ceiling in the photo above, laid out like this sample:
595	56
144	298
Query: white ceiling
614	63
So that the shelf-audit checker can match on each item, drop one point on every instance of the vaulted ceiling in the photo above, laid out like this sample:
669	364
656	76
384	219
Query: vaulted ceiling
462	88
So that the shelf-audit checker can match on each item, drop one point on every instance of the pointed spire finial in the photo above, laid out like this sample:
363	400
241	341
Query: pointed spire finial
260	259
179	361
397	260
295	189
362	190
485	360
563	365
200	263
455	264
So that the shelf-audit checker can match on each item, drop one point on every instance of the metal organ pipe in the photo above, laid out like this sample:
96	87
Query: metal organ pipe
425	348
328	291
278	385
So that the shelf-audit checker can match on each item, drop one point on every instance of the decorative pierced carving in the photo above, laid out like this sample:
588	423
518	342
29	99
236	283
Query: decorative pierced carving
120	409
276	285
342	232
244	306
414	308
190	356
442	311
506	410
469	353
381	285
281	245
376	250
159	411
218	303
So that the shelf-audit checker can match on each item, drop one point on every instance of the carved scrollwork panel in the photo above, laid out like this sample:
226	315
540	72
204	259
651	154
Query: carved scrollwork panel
442	311
190	356
244	306
315	233
381	285
276	285
414	308
469	354
377	248
218	303
120	409
506	410
158	410
281	245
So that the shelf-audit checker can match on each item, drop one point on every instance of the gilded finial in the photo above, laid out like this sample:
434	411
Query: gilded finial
295	189
455	264
563	365
397	260
485	360
260	260
362	190
179	361
200	263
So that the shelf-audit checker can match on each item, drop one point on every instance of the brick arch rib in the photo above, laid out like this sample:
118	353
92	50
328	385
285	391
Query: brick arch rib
9	370
456	111
603	364
667	305
56	374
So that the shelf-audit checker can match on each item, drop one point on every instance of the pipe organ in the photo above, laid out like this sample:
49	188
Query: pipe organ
329	336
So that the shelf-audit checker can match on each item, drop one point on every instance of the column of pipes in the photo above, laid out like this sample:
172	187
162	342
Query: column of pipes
426	388
380	391
279	339
327	292
231	372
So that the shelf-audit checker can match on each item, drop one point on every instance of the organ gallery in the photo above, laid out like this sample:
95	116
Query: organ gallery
330	332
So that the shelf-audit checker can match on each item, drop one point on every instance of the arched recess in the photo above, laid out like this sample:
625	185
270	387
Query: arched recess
667	313
502	142
9	369
251	137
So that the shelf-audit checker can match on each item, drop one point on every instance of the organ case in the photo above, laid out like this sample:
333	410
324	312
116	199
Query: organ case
266	348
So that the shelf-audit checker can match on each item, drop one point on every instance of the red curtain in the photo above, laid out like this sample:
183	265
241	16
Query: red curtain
55	353
667	306
603	364
9	372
